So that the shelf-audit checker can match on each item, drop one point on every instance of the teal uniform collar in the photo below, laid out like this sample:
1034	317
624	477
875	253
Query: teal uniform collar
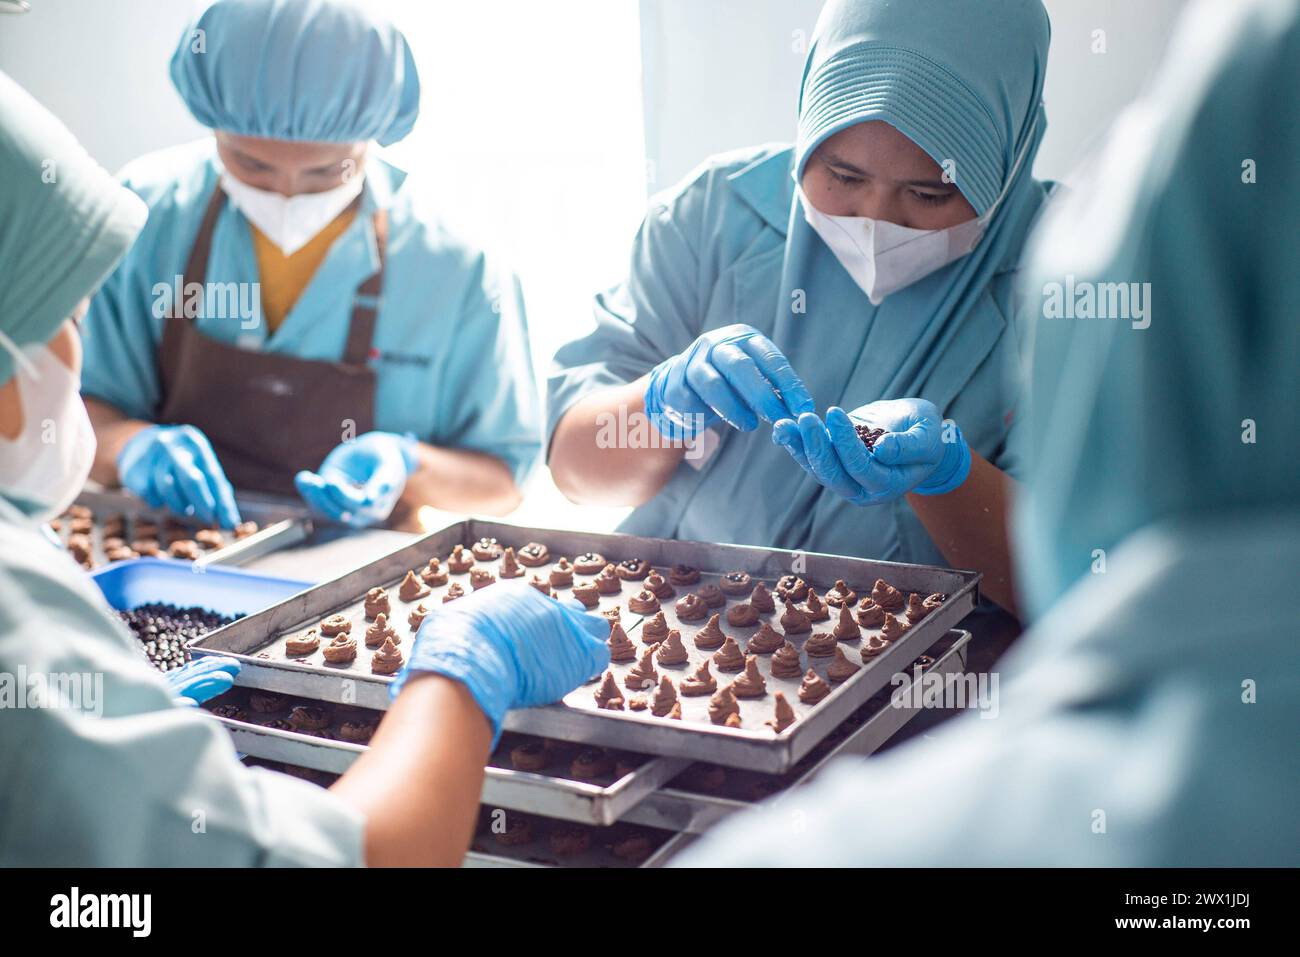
766	185
383	180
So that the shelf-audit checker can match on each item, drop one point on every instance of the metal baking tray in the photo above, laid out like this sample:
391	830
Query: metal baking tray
258	641
679	809
485	852
281	522
549	792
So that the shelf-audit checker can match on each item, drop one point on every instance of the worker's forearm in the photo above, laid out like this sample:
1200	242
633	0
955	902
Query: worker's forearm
419	782
969	525
606	452
460	480
113	429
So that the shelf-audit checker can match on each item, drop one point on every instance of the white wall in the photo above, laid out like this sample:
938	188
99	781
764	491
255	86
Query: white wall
1084	89
721	74
101	67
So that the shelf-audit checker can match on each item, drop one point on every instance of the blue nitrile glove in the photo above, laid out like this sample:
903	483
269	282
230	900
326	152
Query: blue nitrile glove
203	678
916	453
361	479
511	646
174	467
735	374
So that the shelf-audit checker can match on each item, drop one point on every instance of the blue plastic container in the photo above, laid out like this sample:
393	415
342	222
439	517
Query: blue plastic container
226	591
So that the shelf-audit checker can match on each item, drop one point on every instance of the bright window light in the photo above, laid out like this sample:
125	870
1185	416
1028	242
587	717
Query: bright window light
530	138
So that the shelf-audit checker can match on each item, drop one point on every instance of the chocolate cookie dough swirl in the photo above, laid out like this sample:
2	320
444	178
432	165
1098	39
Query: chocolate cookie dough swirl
729	657
643	674
619	644
608	695
699	682
886	595
387	660
723	706
671	651
665	697
765	641
710	636
846	629
794	621
814	688
750	684
785	662
782	714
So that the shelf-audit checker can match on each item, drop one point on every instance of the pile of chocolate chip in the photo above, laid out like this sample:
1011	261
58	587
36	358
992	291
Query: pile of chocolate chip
164	630
869	436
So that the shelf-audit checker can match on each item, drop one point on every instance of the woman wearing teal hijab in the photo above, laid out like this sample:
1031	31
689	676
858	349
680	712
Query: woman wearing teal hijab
873	260
1148	718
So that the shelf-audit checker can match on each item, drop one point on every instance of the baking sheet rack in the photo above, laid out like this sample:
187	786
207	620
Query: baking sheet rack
550	791
484	853
281	523
258	641
684	808
487	851
638	796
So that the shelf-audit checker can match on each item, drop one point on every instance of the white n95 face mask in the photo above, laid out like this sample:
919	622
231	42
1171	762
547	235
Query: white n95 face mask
45	467
883	257
291	221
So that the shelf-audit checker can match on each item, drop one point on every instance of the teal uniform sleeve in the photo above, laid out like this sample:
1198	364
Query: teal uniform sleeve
655	313
488	391
116	775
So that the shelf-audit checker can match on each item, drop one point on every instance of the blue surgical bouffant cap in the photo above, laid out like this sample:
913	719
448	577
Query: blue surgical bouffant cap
322	71
962	80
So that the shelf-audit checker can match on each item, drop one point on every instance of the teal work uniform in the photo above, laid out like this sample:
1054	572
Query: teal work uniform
450	352
731	245
1148	718
119	775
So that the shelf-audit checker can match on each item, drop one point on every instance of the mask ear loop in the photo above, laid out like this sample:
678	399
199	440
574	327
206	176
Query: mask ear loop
19	356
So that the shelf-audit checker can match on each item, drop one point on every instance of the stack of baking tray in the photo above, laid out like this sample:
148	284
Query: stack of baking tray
658	803
549	790
280	523
259	641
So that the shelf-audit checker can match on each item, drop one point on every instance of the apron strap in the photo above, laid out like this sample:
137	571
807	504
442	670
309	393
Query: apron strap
196	267
366	301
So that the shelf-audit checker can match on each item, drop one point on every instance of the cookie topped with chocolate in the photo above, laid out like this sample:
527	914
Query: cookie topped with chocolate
589	563
632	569
486	549
736	583
534	555
791	588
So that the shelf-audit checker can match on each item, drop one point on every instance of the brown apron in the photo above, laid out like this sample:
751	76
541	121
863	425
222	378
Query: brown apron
267	415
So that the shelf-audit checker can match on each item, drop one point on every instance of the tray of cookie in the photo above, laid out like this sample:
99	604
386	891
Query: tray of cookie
732	654
509	838
704	794
108	526
342	640
513	839
555	779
